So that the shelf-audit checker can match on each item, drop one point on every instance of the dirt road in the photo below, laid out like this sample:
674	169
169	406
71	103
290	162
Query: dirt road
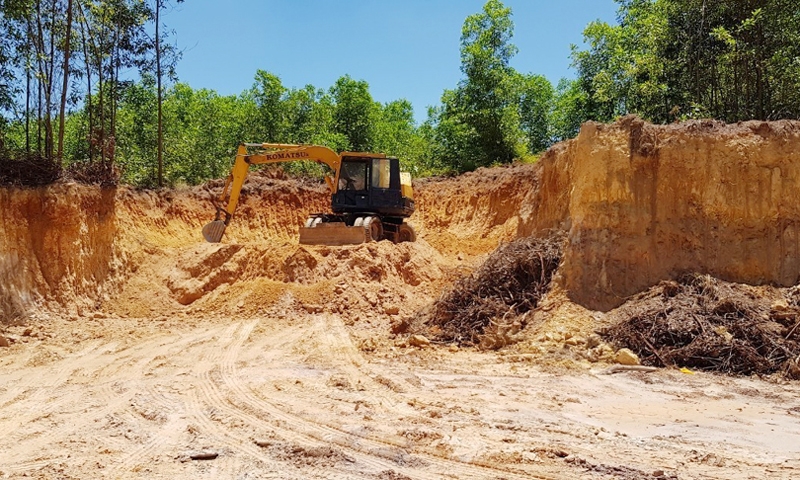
295	397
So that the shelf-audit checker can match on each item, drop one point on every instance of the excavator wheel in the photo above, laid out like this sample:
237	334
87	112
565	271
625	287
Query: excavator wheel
405	233
374	228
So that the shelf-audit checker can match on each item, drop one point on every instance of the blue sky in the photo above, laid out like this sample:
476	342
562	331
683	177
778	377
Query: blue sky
402	48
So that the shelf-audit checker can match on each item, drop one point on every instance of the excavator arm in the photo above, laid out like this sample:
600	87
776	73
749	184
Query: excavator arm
270	153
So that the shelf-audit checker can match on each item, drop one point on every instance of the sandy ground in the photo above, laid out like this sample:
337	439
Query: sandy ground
303	396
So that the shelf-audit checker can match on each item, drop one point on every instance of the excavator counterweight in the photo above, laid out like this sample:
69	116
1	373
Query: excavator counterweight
370	197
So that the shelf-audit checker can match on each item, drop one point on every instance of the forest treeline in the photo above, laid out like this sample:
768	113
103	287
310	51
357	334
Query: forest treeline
65	107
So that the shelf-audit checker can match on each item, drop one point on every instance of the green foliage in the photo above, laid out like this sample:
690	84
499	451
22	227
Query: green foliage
664	60
203	129
136	148
570	109
395	133
675	59
495	114
354	112
485	100
536	97
268	93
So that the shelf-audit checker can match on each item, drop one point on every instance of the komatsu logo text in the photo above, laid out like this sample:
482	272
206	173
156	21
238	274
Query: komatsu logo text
286	156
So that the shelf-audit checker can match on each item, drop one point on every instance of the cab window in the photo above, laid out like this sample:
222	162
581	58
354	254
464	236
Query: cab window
353	176
380	173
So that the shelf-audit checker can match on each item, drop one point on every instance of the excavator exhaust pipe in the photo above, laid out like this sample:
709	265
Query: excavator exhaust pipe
213	231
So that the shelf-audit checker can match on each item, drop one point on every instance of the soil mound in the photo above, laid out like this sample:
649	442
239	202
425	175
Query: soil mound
368	277
707	324
490	306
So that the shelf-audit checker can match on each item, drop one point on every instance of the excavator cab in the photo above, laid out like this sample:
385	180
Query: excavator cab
371	184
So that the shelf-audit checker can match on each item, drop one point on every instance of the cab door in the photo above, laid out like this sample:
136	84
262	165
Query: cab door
384	183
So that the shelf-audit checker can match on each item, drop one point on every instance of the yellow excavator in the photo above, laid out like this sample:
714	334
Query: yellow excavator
370	196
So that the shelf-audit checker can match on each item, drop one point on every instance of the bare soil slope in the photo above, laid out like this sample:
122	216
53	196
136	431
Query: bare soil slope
133	346
651	202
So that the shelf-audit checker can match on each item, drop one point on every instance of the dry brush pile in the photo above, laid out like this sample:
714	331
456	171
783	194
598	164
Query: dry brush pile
29	170
707	324
488	307
35	170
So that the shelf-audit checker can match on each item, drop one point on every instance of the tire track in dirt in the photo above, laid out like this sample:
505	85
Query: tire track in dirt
116	394
45	378
228	372
76	403
240	442
275	427
205	401
335	333
11	396
142	454
24	467
51	394
361	443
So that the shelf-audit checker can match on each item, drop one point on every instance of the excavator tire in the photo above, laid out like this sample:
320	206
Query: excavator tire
373	229
406	233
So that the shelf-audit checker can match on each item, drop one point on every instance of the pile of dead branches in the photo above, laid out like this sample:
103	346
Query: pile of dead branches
703	323
30	170
510	283
103	173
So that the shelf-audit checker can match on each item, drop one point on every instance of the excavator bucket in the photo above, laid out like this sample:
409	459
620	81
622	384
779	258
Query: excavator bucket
213	231
333	234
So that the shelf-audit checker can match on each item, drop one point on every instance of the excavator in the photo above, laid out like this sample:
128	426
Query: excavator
370	196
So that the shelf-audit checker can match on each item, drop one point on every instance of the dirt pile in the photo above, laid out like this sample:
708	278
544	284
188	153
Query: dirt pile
707	324
58	248
473	213
367	279
491	305
641	203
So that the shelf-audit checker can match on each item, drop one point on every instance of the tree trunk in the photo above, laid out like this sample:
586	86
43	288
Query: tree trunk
88	62
101	142
115	84
61	120
28	95
48	93
39	55
160	140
